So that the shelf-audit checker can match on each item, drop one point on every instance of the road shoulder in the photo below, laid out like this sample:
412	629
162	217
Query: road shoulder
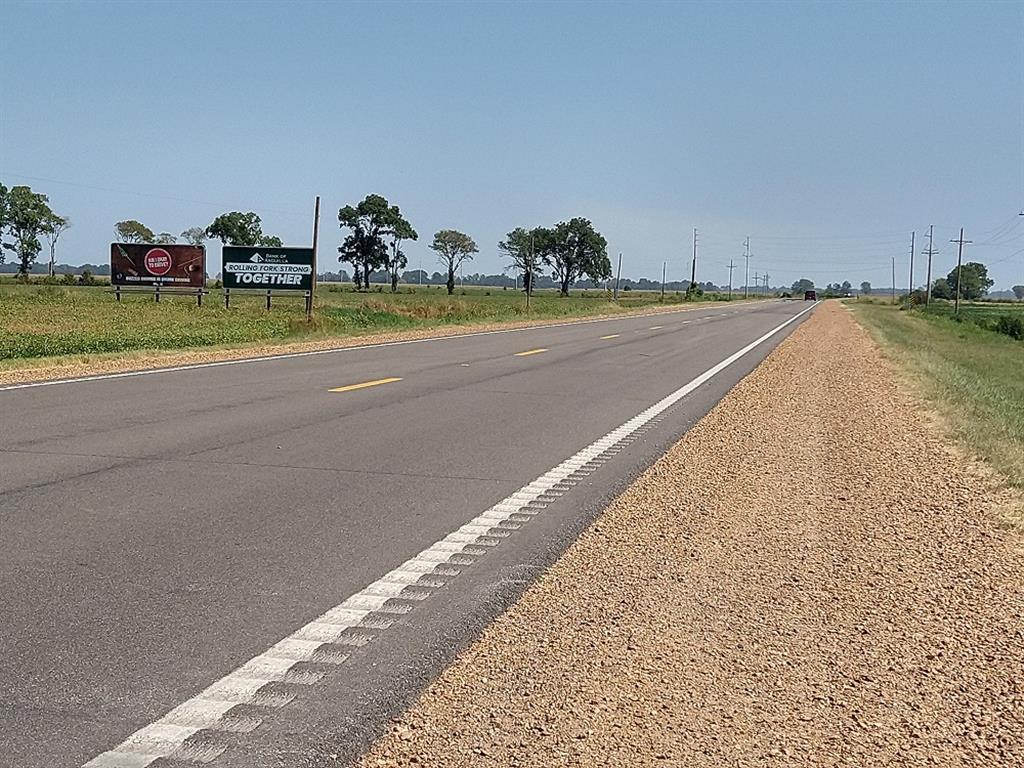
808	577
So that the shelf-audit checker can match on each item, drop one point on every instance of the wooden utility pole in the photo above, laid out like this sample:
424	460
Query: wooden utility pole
693	265
618	275
316	240
892	292
931	252
731	267
959	265
664	268
746	267
910	290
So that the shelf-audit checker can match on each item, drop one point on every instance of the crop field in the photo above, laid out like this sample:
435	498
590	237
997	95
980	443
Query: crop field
46	320
972	375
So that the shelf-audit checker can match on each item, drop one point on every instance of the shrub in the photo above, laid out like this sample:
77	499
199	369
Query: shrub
1011	325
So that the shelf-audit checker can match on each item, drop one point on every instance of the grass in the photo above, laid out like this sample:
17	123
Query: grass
973	377
38	321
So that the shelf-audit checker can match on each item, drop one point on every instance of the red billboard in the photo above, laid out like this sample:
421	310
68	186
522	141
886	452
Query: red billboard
145	264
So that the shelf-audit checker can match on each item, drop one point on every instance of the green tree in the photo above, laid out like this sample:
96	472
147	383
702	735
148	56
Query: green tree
1018	291
237	228
165	238
974	281
574	249
55	226
28	213
194	235
521	246
365	248
801	286
401	230
4	221
942	288
865	288
453	248
132	231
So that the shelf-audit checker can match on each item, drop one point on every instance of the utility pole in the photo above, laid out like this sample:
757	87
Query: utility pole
618	275
959	266
664	268
910	290
931	252
693	266
893	291
316	240
766	285
746	268
731	268
757	284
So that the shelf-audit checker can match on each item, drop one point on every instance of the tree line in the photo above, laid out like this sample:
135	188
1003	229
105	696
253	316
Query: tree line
234	228
25	216
376	229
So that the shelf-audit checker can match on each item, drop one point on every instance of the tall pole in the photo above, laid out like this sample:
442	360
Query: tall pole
731	267
316	241
893	291
528	276
618	275
959	266
746	268
766	285
910	291
693	266
664	267
931	252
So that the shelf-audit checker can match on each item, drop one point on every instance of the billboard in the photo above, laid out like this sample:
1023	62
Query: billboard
145	264
278	269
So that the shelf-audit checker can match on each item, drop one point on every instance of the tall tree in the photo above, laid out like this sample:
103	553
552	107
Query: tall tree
402	230
801	286
132	231
365	248
574	249
4	221
53	229
865	288
27	212
237	228
165	238
453	248
523	247
194	235
1018	291
974	281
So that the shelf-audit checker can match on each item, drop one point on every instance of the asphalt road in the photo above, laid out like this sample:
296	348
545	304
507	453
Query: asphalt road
159	531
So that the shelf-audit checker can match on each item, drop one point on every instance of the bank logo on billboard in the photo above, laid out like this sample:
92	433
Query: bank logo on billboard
280	269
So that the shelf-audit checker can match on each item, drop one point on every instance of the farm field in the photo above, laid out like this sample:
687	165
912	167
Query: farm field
971	375
38	321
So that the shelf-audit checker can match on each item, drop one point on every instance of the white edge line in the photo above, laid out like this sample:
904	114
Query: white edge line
333	350
166	736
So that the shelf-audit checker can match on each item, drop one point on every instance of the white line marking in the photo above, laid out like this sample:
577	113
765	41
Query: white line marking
165	737
334	350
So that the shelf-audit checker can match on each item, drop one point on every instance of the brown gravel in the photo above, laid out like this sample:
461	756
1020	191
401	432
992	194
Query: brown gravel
46	369
807	578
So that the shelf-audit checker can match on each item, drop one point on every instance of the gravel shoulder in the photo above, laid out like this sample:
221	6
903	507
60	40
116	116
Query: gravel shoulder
46	369
809	577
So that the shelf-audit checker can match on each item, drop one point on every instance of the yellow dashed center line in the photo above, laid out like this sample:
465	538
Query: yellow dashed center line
531	352
365	384
610	336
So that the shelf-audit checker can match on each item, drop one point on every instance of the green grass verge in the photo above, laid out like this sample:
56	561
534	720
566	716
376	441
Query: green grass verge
46	321
972	377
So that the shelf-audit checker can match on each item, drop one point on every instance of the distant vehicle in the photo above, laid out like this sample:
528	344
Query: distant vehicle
810	295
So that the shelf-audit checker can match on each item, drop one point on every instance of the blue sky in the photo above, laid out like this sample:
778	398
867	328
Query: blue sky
824	131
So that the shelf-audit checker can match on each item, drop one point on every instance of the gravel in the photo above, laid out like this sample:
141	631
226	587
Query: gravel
809	577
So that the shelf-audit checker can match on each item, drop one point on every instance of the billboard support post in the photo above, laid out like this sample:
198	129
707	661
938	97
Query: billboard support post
227	298
268	300
157	293
316	238
117	292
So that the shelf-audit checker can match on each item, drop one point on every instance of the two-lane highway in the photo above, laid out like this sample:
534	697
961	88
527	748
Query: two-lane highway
258	563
